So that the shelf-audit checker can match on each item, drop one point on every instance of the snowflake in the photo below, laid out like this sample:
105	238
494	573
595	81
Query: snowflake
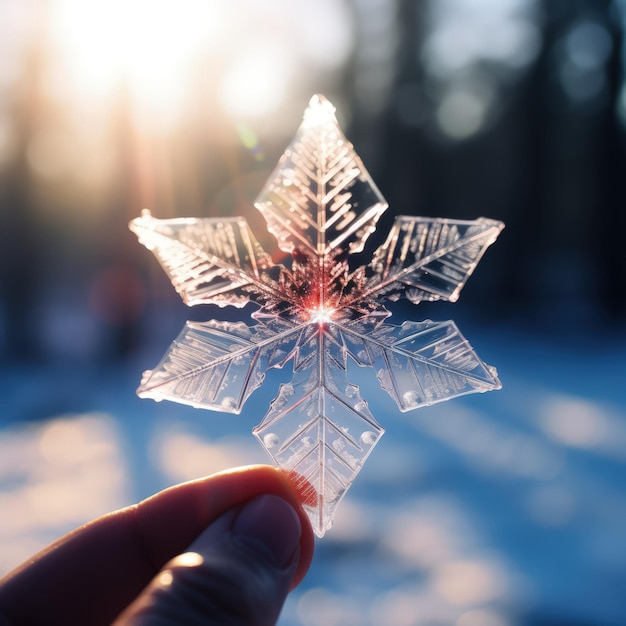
321	205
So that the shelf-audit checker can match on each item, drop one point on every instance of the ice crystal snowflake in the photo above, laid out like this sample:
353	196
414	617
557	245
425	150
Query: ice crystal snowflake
321	205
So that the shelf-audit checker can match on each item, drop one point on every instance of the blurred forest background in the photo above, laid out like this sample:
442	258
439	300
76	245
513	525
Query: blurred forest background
504	509
511	109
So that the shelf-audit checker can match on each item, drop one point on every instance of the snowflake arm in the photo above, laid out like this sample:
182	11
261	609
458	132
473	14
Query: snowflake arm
319	428
429	259
217	365
320	196
209	261
420	363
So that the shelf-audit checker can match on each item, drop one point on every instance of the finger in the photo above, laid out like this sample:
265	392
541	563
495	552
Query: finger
90	575
237	572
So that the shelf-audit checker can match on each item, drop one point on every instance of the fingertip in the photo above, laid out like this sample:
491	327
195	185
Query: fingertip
298	487
272	525
206	499
239	570
288	486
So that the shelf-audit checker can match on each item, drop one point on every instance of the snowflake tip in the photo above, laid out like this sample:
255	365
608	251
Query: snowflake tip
319	112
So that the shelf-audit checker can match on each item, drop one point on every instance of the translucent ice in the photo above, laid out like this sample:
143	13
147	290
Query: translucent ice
321	205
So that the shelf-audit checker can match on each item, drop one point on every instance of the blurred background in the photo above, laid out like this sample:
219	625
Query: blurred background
501	510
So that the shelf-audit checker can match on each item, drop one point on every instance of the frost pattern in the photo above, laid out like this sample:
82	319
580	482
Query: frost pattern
318	312
429	259
208	260
320	194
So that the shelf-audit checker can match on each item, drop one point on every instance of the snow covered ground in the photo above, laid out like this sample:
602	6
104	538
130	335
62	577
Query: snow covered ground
503	509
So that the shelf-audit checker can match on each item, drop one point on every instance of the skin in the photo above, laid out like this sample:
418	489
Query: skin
92	574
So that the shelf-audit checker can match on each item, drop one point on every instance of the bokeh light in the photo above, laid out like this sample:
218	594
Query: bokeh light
581	58
464	38
55	476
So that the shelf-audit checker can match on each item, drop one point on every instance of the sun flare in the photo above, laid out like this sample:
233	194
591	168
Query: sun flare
149	48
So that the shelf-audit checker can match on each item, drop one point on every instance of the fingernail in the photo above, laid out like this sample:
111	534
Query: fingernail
273	524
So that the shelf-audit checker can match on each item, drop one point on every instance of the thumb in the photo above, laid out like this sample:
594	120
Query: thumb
237	572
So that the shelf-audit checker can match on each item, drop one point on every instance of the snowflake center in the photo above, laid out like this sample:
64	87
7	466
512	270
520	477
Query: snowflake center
321	315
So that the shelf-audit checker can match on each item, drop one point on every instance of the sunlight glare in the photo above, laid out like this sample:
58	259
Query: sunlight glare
147	47
256	83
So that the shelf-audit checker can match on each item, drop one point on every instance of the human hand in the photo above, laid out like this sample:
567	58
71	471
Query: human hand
224	550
